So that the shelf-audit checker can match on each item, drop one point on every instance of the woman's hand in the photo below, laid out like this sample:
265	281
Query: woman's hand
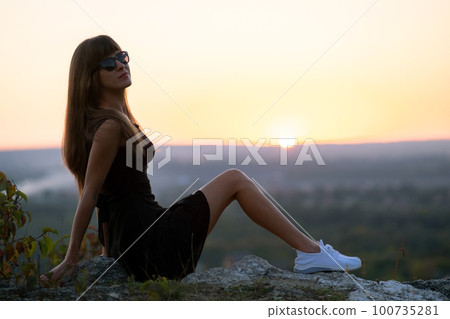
57	274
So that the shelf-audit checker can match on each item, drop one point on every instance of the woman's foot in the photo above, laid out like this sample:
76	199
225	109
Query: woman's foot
328	259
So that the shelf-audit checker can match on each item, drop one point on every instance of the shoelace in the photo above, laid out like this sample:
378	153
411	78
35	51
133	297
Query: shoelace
329	251
333	252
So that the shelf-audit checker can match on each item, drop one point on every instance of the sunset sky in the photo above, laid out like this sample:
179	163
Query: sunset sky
333	71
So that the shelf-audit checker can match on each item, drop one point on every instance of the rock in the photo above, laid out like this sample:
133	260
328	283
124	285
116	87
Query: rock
251	278
439	285
252	269
244	271
86	273
103	268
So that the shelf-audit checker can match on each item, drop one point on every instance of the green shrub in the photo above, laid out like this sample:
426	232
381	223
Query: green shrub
16	254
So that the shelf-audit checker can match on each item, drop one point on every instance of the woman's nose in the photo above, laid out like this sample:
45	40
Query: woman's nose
119	65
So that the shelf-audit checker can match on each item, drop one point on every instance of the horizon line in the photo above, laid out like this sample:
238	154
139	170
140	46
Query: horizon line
240	144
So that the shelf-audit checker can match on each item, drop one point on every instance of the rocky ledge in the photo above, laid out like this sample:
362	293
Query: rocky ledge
252	278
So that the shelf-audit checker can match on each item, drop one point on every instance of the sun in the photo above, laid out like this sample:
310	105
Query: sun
284	132
287	142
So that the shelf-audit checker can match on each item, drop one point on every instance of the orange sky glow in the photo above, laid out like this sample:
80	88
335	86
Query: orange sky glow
333	71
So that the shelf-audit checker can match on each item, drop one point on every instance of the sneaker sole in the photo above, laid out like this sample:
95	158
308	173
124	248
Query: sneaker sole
313	270
322	269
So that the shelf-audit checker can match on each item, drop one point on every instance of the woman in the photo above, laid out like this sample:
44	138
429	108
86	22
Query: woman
98	123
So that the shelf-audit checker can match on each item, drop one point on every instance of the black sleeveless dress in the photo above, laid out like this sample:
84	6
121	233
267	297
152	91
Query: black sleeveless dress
172	238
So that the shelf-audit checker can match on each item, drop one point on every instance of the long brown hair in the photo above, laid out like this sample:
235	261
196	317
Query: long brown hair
83	114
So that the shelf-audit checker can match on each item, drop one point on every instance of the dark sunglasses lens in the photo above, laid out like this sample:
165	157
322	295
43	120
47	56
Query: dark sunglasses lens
108	64
123	57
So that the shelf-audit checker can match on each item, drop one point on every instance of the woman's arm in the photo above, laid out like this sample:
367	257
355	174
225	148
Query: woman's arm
105	145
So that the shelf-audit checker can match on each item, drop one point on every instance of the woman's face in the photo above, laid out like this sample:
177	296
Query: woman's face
116	78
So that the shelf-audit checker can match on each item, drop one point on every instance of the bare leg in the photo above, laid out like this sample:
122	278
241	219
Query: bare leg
105	248
105	236
235	185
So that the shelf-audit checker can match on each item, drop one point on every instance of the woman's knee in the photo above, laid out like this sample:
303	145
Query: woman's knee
236	177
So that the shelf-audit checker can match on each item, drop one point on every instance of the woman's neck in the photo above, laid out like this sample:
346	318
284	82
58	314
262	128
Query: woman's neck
113	100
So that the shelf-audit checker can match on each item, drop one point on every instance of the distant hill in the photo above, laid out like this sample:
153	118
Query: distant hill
424	161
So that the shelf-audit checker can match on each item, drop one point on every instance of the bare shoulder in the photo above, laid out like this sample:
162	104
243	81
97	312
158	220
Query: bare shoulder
110	125
109	132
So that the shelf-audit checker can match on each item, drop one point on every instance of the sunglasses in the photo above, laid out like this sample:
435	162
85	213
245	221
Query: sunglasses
109	64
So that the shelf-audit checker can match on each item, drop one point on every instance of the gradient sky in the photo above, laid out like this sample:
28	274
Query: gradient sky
339	71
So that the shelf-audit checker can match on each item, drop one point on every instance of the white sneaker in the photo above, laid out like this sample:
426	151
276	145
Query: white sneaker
328	259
